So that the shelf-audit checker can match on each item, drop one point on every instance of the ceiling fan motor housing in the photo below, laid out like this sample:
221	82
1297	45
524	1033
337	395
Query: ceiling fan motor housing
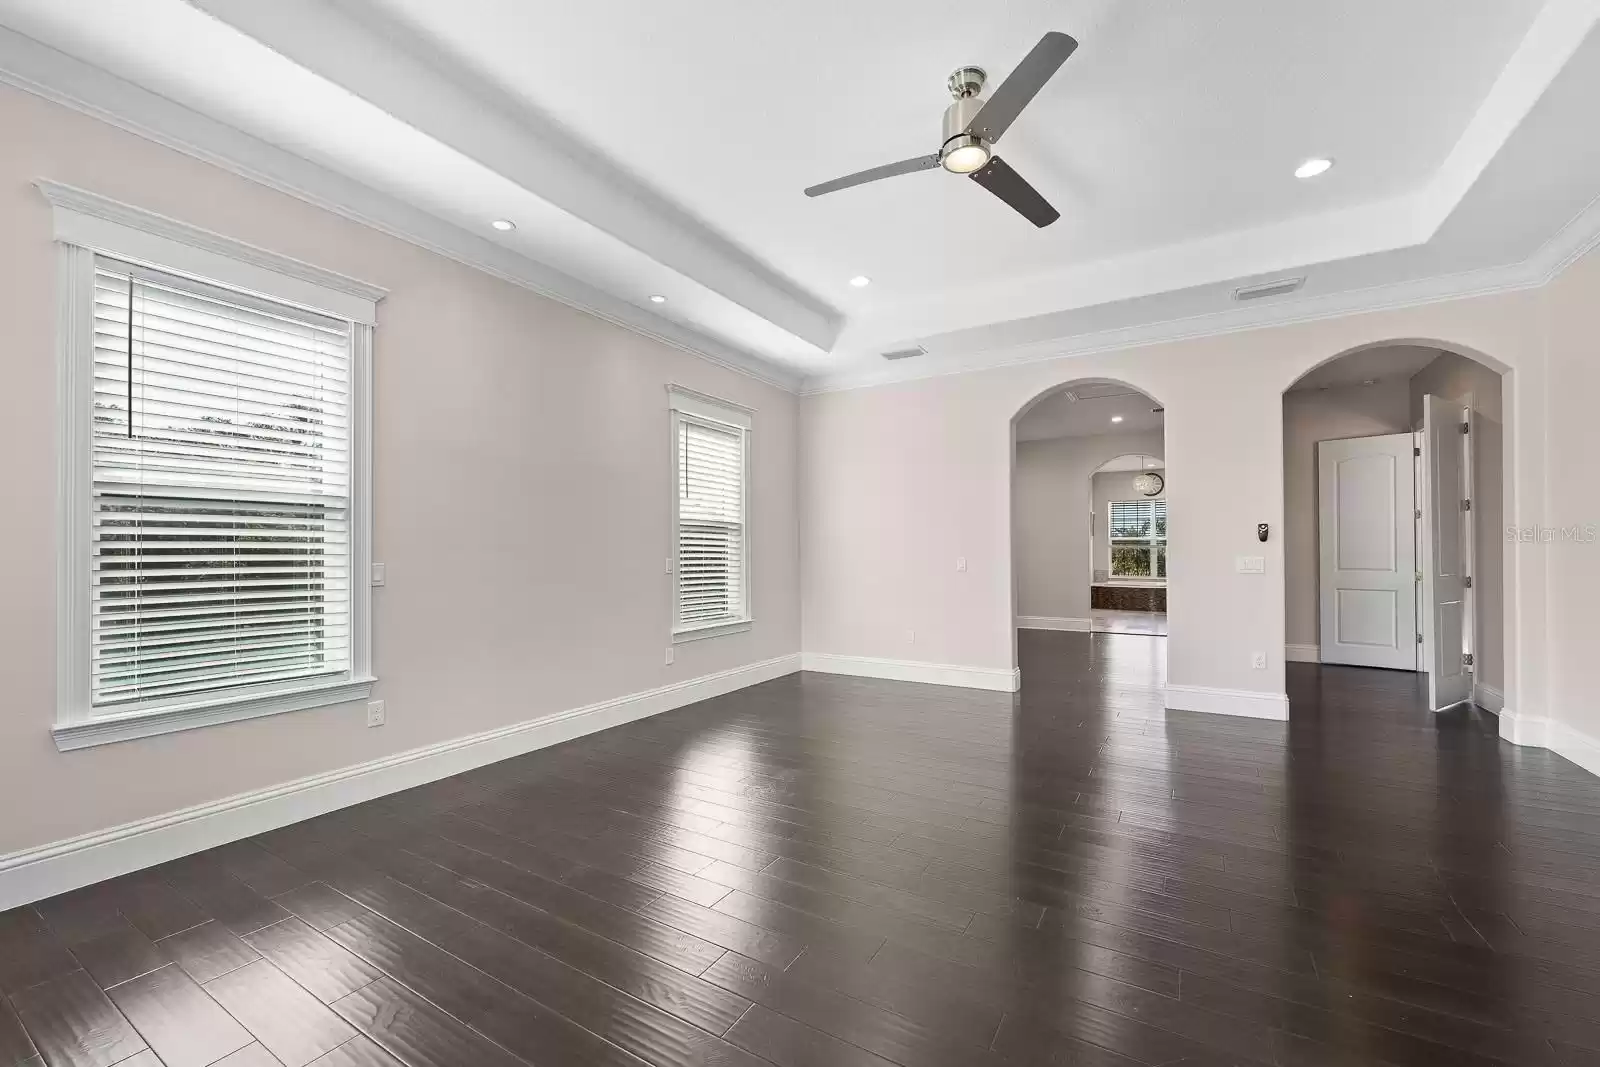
957	116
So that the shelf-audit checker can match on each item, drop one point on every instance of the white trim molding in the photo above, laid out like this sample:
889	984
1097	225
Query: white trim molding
109	729
1576	746
1246	703
100	224
37	873
1488	698
997	679
86	225
1302	653
1048	622
1528	731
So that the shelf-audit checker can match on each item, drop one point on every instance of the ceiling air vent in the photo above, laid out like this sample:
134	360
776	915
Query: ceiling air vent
1265	289
906	353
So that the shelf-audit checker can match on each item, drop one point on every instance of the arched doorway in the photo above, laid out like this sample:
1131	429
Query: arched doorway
1393	551
1089	522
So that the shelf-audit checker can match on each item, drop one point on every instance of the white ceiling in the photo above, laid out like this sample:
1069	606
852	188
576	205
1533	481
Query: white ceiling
1085	409
1369	366
662	148
1130	463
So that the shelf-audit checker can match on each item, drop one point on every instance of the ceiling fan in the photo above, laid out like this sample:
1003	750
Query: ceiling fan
972	125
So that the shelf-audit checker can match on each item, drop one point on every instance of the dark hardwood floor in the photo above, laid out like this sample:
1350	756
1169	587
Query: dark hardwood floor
834	872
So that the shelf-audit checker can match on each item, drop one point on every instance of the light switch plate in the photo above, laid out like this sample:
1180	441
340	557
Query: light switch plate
961	563
380	573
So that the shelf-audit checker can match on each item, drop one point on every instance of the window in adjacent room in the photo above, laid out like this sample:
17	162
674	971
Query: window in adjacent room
1138	538
711	542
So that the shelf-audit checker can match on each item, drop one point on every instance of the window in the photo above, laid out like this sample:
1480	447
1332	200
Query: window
215	561
1138	536
711	550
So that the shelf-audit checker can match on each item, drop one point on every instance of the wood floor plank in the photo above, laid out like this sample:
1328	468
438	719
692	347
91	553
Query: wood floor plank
831	870
74	1024
324	969
289	1022
183	1025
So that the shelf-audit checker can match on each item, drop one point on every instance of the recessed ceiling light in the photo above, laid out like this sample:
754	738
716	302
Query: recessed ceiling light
503	225
861	281
657	298
1116	418
1312	167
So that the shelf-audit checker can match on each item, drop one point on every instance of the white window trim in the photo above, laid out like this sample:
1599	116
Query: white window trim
87	224
683	401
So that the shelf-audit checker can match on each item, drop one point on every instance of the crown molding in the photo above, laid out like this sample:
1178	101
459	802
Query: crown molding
1579	236
36	68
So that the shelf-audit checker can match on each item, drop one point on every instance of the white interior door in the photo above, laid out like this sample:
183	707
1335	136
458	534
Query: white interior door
1366	506
1444	553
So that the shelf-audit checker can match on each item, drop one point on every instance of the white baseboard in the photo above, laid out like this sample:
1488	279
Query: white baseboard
36	873
1248	703
1530	731
1046	622
1302	653
1576	746
1000	679
1488	698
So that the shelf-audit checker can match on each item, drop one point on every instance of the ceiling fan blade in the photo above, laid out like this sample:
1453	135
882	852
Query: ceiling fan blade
1007	102
998	177
888	170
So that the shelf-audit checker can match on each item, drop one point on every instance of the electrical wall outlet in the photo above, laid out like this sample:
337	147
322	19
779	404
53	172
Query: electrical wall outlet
669	657
375	713
1258	660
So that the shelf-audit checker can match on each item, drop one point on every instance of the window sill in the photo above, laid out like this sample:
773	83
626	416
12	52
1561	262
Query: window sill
110	729
700	633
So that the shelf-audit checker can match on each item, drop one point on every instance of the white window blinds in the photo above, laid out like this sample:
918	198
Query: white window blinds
220	512
711	587
1138	534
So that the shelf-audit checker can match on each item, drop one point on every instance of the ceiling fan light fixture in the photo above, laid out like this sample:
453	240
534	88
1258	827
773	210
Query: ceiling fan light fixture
964	154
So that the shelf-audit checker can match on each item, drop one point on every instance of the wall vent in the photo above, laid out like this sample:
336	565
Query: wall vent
906	353
1265	289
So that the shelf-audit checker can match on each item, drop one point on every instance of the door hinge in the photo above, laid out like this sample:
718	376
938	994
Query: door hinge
1466	427
1419	513
1416	451
1466	505
1419	639
1467	581
1466	658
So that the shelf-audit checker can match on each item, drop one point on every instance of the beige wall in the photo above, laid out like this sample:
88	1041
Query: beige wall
1573	306
521	499
1109	486
1309	416
1052	501
900	480
1472	385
